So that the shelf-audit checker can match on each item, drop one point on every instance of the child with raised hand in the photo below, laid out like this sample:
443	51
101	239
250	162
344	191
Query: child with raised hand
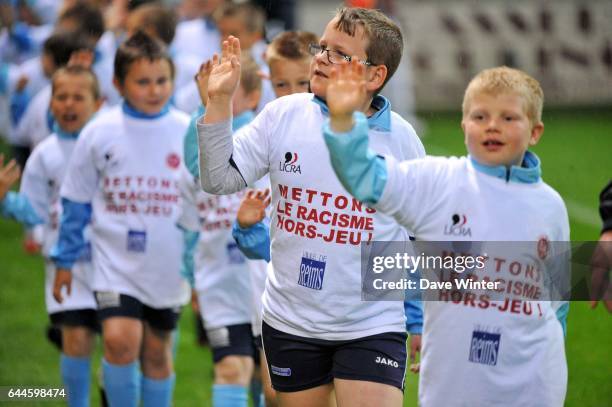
498	187
123	176
320	339
221	271
75	97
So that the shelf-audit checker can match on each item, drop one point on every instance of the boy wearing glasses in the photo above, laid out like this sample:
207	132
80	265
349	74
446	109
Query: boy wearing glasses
323	344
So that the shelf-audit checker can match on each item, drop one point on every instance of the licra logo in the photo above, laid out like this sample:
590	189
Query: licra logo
458	226
290	163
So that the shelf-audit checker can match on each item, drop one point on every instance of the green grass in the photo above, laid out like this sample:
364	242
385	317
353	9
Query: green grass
575	152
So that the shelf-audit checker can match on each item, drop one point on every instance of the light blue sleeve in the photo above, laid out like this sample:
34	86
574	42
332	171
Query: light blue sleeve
4	75
18	104
414	316
190	241
17	206
254	242
358	168
190	144
71	242
562	312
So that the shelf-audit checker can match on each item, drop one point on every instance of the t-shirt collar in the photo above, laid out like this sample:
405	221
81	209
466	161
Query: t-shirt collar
529	172
380	120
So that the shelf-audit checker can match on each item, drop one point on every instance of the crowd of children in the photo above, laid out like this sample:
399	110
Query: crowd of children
137	203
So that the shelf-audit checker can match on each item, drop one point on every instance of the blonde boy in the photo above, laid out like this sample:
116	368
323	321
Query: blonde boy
289	62
498	194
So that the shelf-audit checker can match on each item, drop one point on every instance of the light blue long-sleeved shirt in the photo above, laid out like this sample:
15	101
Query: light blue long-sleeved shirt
71	242
17	206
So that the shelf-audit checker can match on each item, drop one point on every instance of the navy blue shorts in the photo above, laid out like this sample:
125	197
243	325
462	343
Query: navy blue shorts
231	340
79	317
112	304
297	363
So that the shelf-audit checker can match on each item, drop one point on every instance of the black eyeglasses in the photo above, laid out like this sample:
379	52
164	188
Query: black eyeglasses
334	57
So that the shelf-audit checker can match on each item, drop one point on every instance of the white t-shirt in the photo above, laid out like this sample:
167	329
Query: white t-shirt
449	200
129	169
221	270
41	181
313	287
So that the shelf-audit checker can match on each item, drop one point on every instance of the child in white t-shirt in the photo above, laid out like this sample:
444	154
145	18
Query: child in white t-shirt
321	341
75	97
124	176
222	280
492	348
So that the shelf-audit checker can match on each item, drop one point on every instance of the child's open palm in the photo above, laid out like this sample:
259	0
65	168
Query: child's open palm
346	91
225	73
253	208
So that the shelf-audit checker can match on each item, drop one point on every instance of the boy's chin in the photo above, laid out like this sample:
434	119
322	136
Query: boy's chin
318	88
69	128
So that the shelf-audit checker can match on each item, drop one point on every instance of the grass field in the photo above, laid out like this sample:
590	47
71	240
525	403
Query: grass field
576	151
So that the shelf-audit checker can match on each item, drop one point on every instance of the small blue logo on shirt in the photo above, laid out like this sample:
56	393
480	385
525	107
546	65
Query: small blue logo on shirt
484	348
312	271
137	241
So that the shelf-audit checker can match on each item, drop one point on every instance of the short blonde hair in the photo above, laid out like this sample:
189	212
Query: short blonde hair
291	45
502	79
250	79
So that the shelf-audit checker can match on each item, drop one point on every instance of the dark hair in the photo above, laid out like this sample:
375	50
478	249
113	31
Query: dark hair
78	70
138	46
86	17
385	41
61	44
134	4
162	20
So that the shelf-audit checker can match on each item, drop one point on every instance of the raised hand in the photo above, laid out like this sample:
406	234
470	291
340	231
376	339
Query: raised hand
201	79
9	174
253	208
225	73
346	93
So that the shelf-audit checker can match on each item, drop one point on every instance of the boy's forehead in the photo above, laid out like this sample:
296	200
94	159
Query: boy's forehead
74	81
504	98
334	36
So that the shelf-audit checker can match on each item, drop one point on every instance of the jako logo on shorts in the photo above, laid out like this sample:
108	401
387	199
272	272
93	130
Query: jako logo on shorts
312	270
484	347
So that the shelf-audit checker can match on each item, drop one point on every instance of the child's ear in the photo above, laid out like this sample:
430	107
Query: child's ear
464	133
536	133
99	103
376	76
117	85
